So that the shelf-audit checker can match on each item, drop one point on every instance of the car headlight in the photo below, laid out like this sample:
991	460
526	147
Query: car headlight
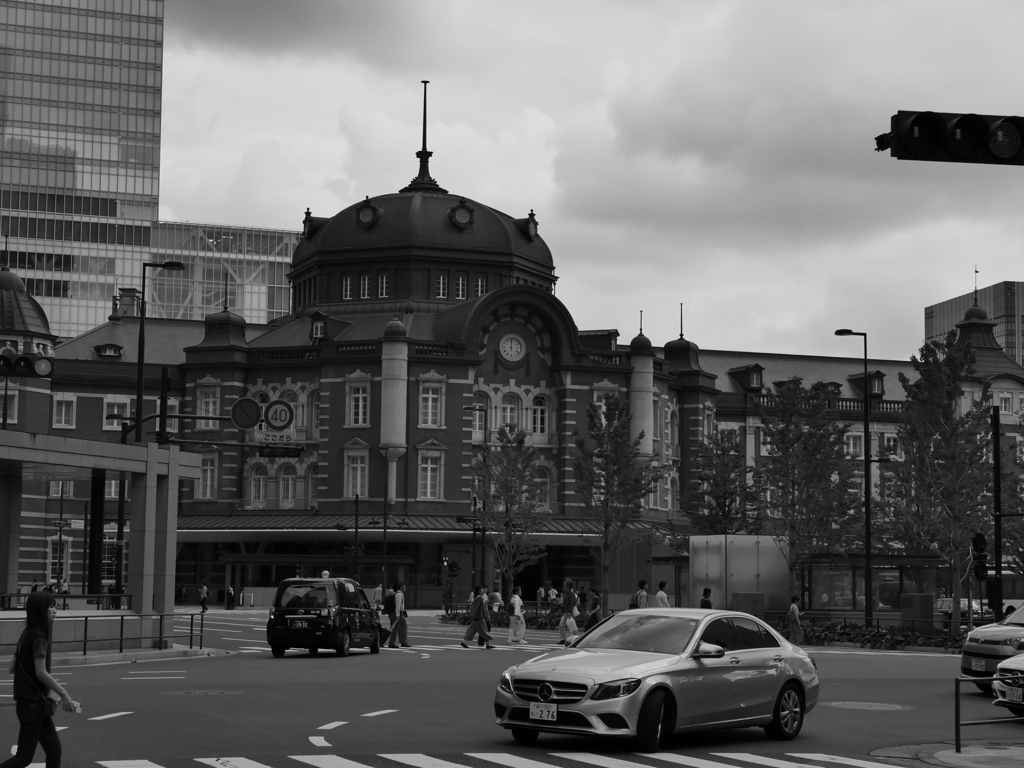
615	689
506	682
1017	643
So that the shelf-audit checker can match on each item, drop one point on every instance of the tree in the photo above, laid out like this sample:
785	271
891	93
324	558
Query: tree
802	481
719	499
612	478
513	511
937	495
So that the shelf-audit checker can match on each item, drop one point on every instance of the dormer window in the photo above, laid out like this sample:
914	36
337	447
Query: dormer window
108	350
749	377
833	388
317	333
876	383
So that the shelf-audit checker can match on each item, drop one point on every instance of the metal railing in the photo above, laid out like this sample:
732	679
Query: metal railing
67	637
961	723
102	601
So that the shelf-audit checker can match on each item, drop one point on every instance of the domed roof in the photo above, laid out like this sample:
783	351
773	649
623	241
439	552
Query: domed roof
19	312
976	313
422	220
640	344
395	328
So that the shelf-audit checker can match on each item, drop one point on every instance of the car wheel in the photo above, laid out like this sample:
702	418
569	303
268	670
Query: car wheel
277	650
788	715
649	723
375	643
525	735
344	644
985	688
313	651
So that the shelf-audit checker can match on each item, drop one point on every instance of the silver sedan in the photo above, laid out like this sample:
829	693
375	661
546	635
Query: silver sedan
650	673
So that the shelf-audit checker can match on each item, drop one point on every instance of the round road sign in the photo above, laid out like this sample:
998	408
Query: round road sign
246	413
279	415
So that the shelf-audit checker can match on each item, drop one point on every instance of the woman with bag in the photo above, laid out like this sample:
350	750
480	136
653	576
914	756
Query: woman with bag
567	624
36	693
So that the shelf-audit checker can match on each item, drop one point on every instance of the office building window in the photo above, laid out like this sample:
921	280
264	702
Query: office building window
9	406
509	415
855	445
312	483
314	412
258	483
58	488
110	489
346	288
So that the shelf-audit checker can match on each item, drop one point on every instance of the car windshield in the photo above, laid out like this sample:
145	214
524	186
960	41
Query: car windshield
1016	618
639	632
302	596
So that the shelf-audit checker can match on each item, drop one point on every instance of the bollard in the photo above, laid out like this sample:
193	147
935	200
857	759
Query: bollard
191	629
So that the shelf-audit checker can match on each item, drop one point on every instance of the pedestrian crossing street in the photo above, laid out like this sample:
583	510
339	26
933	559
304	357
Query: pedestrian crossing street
540	760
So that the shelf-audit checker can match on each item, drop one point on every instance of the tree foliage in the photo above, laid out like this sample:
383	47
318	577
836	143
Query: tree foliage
612	478
936	496
513	510
802	480
720	498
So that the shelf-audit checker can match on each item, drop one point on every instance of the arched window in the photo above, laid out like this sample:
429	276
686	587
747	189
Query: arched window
258	483
292	399
509	416
539	416
286	479
312	479
543	480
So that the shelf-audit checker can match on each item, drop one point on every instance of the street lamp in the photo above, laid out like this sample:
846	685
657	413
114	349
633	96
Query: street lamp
868	591
174	266
477	408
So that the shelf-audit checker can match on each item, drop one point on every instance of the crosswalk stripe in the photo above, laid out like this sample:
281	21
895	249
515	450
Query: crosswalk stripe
127	764
601	760
509	761
327	761
230	762
108	717
691	762
422	761
769	762
841	760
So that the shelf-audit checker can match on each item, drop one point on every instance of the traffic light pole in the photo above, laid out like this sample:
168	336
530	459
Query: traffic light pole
995	600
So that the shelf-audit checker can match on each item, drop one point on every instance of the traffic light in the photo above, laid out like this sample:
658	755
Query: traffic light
444	560
34	366
978	545
948	137
454	568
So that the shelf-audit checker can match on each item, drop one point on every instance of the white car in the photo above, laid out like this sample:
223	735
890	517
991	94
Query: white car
1009	691
650	673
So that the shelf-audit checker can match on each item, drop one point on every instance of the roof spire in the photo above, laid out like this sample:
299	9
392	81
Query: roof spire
975	285
423	180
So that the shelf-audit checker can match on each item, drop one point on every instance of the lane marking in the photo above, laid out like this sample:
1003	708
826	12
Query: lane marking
327	761
174	677
424	761
692	762
771	762
318	741
127	764
509	761
122	763
843	760
230	762
381	712
159	672
335	724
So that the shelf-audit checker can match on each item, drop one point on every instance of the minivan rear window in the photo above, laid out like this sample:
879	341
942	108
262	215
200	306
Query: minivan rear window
303	596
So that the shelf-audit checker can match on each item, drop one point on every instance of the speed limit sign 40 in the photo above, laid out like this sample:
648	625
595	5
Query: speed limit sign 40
278	415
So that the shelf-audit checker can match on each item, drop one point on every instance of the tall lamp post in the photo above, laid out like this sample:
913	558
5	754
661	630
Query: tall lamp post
174	266
483	525
868	580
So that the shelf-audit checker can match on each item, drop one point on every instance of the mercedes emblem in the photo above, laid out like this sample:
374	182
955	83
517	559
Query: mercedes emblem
545	692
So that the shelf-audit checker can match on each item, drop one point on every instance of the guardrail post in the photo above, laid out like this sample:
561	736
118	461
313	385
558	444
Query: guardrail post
120	639
191	629
201	619
956	710
85	637
161	631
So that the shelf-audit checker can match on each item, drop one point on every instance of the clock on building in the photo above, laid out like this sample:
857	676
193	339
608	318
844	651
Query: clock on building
512	347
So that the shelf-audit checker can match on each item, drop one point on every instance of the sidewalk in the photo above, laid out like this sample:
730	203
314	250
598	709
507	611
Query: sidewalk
973	754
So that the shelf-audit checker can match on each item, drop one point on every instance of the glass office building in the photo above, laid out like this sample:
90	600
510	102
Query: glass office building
1004	303
80	178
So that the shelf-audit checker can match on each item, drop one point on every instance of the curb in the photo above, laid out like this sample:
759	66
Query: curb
908	648
155	654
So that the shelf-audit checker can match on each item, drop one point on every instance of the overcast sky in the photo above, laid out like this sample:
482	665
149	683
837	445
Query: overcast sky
714	154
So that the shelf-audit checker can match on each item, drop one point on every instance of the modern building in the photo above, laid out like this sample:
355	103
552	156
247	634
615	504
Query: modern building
80	162
1004	303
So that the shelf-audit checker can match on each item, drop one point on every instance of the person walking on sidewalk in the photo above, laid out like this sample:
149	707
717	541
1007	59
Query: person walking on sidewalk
478	621
34	688
796	630
567	624
596	614
400	627
516	620
203	594
639	599
661	599
705	601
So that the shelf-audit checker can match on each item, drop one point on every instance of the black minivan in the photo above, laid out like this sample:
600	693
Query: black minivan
322	613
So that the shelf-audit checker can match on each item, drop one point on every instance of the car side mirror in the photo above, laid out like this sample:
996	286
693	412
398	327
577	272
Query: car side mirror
709	651
571	640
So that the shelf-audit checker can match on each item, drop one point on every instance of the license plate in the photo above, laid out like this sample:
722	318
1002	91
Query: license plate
298	624
978	665
540	711
1014	694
